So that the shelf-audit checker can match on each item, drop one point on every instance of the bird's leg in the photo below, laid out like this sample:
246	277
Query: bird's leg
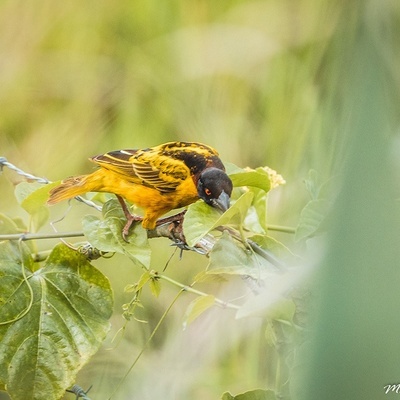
175	229
173	218
130	218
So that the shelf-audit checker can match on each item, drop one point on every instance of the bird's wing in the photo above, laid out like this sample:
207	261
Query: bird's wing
117	161
149	167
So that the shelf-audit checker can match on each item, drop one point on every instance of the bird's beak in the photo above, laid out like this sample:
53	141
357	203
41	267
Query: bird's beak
223	202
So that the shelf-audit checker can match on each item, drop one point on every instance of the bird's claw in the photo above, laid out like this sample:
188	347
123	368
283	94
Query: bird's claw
183	246
180	245
127	227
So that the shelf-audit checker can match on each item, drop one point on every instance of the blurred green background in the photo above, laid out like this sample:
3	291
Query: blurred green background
264	82
78	79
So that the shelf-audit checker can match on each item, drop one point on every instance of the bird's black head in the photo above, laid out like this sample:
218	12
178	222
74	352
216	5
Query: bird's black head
215	187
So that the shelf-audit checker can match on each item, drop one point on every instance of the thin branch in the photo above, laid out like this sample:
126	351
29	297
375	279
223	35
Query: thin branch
34	236
172	231
267	255
190	289
281	228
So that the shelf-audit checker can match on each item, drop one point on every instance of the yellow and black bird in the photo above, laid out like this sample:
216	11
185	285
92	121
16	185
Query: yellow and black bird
156	179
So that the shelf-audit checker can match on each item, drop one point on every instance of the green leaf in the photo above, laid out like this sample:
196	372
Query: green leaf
256	219
239	208
144	278
203	276
106	234
257	394
200	218
228	256
197	307
12	226
53	320
33	198
20	224
325	190
8	226
255	178
269	243
39	218
12	278
311	218
155	286
232	168
34	195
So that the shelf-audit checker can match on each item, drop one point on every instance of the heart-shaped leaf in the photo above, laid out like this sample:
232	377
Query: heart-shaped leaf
51	320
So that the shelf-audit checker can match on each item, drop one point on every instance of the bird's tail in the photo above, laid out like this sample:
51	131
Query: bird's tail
69	188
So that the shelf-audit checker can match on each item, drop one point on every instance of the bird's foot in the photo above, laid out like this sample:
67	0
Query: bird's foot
130	220
184	246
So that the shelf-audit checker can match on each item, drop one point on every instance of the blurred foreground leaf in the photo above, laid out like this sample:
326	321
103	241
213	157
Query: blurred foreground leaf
273	300
311	218
52	320
355	327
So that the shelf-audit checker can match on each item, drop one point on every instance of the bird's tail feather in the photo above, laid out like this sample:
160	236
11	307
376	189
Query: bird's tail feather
69	188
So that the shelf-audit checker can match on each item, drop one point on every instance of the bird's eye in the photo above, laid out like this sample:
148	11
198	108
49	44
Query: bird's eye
207	192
